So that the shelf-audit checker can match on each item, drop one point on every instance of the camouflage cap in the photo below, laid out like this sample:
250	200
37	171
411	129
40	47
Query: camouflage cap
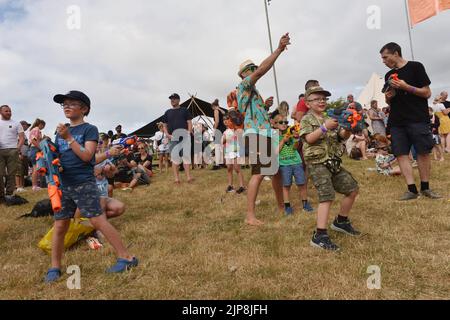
312	90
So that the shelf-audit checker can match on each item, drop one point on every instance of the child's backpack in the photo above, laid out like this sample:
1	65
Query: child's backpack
42	208
15	200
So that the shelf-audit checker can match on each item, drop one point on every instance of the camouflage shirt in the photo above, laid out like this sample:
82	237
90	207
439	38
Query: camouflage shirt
327	147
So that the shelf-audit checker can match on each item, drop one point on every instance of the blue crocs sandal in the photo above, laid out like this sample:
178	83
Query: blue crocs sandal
53	274
123	265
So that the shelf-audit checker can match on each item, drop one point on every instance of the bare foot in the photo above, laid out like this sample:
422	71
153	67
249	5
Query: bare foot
254	222
443	159
177	182
190	180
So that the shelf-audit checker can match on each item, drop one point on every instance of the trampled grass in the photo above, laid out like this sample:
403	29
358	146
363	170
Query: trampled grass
192	244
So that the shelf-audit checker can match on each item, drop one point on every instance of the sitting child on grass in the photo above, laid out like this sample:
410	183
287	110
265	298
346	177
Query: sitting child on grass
384	160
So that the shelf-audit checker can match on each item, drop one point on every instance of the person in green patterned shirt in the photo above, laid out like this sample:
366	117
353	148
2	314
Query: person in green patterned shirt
322	149
257	129
290	164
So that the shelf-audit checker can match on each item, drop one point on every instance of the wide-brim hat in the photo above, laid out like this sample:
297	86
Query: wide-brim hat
245	65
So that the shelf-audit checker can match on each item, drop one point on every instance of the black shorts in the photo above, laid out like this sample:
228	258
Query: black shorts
254	150
414	134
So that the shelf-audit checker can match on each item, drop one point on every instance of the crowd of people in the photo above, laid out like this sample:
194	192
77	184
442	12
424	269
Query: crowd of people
94	164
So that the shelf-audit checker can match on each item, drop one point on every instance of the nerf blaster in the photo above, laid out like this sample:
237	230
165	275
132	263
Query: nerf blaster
125	142
387	85
348	119
293	131
48	164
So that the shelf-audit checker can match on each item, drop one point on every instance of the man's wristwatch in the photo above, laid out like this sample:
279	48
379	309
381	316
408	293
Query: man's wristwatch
71	141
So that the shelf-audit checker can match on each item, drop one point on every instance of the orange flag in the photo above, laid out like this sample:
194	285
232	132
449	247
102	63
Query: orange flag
444	5
420	10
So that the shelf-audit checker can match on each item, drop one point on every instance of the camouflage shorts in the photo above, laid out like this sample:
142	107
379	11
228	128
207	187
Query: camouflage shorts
327	184
84	196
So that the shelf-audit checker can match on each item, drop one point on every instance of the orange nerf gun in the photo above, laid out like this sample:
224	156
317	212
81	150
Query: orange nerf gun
387	85
48	165
348	119
293	131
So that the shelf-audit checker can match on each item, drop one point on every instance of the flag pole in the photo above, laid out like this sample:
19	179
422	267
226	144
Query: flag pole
271	50
409	29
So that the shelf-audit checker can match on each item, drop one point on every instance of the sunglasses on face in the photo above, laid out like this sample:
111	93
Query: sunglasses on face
251	68
283	122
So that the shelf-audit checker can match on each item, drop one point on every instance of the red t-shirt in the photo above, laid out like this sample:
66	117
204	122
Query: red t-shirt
301	106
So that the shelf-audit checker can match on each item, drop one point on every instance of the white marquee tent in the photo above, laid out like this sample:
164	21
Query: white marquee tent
372	91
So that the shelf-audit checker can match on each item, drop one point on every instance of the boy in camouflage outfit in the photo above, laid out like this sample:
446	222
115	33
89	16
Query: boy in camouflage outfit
322	149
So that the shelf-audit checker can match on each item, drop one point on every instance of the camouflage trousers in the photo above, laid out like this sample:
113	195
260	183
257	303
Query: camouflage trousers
327	183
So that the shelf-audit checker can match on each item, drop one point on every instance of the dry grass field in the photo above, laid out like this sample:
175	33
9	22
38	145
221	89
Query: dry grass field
192	244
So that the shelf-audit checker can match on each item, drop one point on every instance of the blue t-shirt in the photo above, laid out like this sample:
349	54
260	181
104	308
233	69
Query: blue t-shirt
75	170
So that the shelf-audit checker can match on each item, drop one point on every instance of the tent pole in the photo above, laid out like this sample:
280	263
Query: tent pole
193	100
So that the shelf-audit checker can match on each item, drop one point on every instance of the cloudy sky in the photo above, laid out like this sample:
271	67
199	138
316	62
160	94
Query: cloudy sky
129	56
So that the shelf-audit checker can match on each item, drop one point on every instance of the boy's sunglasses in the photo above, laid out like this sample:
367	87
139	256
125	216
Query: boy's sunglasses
283	122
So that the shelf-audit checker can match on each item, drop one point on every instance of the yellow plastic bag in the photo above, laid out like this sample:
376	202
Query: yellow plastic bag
78	230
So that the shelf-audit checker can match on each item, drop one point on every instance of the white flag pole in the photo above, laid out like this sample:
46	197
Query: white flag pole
271	50
409	29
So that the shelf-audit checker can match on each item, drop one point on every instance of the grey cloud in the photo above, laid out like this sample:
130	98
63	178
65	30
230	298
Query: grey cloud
130	55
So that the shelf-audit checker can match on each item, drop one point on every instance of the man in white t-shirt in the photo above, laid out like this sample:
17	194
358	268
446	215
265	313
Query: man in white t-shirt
12	139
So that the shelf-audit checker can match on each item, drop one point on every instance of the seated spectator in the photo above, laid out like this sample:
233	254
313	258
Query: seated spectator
143	159
384	161
129	176
356	146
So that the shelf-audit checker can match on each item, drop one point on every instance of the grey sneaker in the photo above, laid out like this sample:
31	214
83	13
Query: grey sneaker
430	194
409	196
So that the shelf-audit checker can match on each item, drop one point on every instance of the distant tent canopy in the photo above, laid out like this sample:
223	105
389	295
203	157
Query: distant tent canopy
372	91
198	108
148	130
